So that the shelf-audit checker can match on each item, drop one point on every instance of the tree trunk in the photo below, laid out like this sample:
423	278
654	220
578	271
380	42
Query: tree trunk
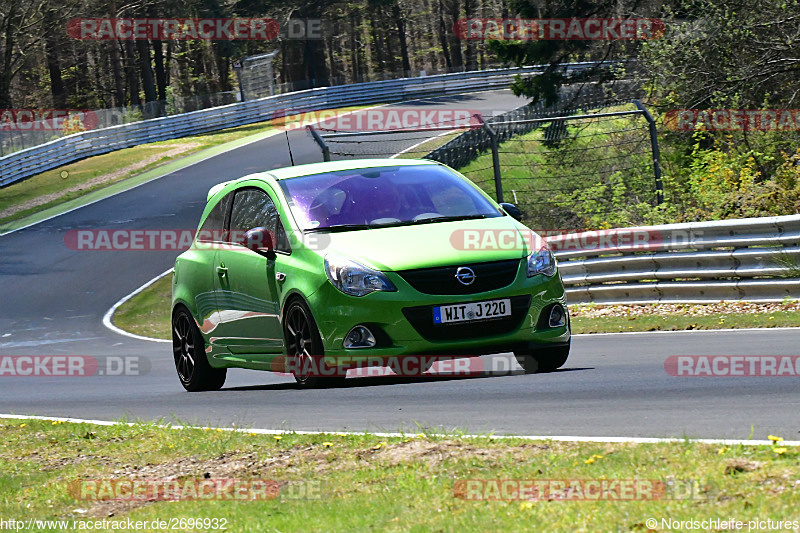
131	75
51	47
148	80
116	72
401	34
448	63
470	55
455	43
161	75
306	60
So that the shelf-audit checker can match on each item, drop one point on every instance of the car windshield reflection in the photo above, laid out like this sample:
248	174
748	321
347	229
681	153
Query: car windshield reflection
383	197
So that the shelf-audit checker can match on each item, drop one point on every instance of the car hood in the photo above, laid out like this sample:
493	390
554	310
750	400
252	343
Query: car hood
433	244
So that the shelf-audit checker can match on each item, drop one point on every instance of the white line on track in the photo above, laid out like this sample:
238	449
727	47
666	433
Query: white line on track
401	152
633	440
110	313
675	331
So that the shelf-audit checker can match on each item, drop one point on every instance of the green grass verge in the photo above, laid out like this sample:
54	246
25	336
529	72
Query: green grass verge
148	314
673	322
76	180
428	146
366	483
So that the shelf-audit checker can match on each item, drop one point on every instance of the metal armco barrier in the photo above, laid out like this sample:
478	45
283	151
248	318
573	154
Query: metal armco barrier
26	163
700	262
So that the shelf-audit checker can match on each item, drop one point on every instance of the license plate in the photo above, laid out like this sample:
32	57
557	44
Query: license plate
468	312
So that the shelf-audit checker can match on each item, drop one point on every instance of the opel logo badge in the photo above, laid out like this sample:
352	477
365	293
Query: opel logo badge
465	275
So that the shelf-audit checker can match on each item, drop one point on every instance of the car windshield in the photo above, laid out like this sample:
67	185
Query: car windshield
383	196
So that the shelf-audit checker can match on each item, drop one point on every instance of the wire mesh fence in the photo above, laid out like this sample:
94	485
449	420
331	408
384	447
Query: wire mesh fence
568	166
572	173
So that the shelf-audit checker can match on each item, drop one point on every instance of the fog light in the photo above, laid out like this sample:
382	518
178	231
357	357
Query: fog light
557	317
359	337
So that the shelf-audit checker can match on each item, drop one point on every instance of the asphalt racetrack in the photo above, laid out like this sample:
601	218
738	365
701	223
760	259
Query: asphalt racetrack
54	298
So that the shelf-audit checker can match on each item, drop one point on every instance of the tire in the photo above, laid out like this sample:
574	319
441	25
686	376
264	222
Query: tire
188	350
304	343
545	359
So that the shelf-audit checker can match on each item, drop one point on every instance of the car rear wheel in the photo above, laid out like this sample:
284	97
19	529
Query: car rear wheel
188	348
304	345
544	359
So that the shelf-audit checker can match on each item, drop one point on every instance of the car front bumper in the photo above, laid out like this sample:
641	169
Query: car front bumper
402	321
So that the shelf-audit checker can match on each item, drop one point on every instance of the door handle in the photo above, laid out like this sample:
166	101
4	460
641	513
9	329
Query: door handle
222	271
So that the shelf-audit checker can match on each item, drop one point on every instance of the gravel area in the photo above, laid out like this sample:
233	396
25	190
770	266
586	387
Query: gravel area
599	311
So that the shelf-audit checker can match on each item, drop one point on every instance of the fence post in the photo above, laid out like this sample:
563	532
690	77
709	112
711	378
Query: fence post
498	181
326	152
656	153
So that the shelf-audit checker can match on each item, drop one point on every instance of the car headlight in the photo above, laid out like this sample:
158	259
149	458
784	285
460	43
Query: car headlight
541	261
354	278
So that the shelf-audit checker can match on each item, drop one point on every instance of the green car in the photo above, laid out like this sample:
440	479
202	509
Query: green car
316	269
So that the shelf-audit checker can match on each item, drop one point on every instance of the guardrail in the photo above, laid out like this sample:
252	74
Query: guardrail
699	262
25	163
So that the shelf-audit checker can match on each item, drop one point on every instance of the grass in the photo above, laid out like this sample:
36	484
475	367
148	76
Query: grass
77	179
148	313
677	322
365	483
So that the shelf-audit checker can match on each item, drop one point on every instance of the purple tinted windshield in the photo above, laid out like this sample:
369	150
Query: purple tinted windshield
384	196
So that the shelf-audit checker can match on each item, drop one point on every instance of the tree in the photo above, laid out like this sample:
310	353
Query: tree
728	53
554	53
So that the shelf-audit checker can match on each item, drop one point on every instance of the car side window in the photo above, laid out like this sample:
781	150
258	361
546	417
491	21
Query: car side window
253	208
213	229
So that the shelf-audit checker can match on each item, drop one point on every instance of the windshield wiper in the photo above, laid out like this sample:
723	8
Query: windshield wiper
451	218
339	227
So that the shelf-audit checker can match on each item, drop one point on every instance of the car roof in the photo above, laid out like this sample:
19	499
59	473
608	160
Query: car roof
333	166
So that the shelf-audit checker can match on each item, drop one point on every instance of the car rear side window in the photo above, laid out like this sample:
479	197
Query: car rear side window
213	229
253	208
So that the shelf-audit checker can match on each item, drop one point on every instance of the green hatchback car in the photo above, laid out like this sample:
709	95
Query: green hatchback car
314	269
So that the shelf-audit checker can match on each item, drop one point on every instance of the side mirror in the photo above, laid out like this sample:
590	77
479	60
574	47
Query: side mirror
512	210
261	241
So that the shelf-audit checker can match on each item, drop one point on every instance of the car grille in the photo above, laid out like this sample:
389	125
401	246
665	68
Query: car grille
421	318
442	280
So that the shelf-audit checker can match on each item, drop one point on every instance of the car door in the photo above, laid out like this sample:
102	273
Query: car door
210	238
245	286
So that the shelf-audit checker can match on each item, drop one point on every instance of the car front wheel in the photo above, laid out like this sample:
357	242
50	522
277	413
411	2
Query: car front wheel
304	347
545	359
